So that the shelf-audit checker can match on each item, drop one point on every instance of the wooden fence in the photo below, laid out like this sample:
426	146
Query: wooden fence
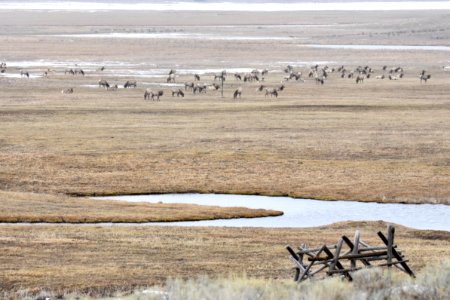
346	256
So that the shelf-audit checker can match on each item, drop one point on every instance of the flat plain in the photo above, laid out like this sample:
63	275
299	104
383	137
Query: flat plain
383	140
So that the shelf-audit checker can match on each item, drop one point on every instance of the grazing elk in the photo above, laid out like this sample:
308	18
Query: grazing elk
200	88
67	91
237	76
295	75
271	92
424	77
250	77
221	76
319	80
103	83
151	94
69	71
24	74
189	86
129	84
78	71
288	69
171	78
237	93
178	93
196	77
112	88
214	86
392	77
360	78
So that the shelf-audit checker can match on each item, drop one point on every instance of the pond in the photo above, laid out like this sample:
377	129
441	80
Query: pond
306	212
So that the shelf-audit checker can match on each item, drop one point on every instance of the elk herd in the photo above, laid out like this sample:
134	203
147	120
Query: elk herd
318	74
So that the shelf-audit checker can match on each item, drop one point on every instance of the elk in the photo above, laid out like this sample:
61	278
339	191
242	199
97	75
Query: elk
271	92
69	71
360	78
188	85
78	71
214	86
67	91
196	77
178	93
424	77
288	69
200	89
392	77
130	83
319	80
151	94
221	76
24	74
237	93
171	78
250	77
103	83
237	76
295	75
112	88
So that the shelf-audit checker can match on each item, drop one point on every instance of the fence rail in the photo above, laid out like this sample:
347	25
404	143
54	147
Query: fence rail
348	256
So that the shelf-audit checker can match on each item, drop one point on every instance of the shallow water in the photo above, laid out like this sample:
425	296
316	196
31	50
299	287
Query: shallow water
382	47
223	5
173	35
14	75
306	213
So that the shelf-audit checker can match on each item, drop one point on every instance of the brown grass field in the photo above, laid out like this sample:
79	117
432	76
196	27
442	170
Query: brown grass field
42	208
105	259
384	141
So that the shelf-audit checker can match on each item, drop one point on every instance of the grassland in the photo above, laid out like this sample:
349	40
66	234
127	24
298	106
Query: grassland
380	141
384	141
101	259
432	282
41	208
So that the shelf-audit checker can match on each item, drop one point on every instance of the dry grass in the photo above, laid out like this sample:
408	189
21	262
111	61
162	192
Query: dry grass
102	259
37	208
380	141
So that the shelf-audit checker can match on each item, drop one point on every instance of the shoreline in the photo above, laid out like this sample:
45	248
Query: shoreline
184	6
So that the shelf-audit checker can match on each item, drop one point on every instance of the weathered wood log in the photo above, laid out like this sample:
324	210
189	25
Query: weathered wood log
305	273
396	255
351	246
338	265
